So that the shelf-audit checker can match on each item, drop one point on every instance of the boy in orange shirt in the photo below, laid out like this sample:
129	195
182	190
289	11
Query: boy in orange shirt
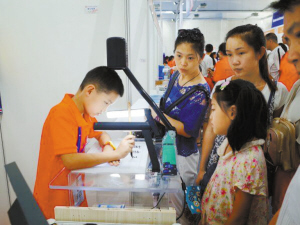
222	67
288	74
65	133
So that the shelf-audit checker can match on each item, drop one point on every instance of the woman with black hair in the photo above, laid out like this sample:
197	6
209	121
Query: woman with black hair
213	55
246	51
237	192
187	117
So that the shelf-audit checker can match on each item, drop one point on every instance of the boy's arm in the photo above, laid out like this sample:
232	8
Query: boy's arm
76	161
81	160
103	138
241	208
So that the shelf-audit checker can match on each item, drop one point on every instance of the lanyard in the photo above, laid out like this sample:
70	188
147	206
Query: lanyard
78	150
79	141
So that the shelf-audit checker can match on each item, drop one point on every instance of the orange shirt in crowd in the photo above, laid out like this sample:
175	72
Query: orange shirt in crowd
209	82
171	64
287	73
60	136
222	70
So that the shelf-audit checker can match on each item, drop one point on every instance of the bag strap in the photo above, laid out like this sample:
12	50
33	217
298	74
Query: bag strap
278	56
271	96
186	95
291	98
168	91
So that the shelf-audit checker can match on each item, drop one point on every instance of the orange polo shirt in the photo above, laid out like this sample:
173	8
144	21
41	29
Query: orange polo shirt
59	137
288	73
222	70
171	64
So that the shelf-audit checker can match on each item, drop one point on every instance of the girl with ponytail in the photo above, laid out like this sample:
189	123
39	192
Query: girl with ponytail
246	52
237	192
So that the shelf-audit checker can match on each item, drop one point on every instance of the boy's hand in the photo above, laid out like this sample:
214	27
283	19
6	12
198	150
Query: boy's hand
125	146
108	148
114	163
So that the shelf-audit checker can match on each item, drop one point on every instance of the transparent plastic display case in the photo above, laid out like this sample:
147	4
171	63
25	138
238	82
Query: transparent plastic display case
121	186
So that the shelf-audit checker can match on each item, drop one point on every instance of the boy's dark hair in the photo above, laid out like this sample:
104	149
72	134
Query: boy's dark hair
105	80
285	5
171	57
254	37
222	48
166	60
194	37
272	36
209	48
251	121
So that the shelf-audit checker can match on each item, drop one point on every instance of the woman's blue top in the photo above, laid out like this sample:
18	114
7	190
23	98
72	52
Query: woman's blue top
191	112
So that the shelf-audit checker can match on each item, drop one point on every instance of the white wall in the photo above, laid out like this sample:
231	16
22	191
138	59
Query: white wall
47	47
145	47
214	31
138	11
4	203
155	55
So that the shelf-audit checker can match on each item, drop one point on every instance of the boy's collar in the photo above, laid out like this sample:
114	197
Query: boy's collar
80	119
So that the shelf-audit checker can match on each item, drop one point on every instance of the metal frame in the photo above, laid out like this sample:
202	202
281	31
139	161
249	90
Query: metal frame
145	127
25	209
117	59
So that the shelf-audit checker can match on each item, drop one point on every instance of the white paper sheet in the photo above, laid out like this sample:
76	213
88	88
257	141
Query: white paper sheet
137	164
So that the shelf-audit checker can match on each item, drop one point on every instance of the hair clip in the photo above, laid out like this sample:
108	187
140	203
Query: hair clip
224	85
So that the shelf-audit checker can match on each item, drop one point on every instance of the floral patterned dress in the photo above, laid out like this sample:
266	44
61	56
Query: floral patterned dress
246	170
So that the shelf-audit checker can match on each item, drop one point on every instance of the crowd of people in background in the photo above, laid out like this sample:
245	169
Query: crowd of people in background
215	65
232	102
253	80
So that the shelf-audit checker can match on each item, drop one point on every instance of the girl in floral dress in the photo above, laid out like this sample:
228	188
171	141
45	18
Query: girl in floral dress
246	52
237	191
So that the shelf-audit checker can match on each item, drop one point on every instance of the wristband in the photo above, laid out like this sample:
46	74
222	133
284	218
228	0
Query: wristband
111	144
